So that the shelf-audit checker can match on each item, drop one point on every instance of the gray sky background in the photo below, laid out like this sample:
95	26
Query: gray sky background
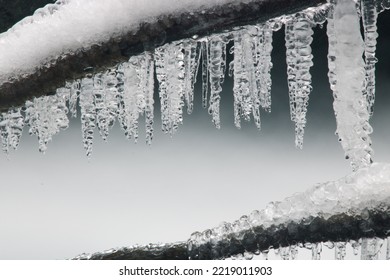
58	205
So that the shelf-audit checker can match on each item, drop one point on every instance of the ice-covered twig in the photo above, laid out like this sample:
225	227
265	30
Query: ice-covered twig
160	30
352	208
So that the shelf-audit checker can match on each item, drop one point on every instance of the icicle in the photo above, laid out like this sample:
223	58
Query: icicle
147	87
74	96
346	76
46	116
191	66
170	73
205	72
217	65
105	97
246	96
371	248
102	120
340	250
369	16
388	249
11	128
135	87
88	112
294	252
263	64
316	251
355	246
299	31
285	252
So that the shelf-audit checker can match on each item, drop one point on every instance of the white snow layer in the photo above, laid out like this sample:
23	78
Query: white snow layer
70	25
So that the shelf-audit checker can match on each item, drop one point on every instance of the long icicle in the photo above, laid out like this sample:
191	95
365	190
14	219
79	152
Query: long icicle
369	12
346	76
299	32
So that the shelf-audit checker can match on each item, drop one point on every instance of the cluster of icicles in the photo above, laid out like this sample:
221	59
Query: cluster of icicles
126	92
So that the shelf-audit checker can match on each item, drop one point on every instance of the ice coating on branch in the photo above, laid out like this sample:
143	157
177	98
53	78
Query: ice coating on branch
217	67
346	76
11	128
55	29
46	116
365	189
298	34
369	11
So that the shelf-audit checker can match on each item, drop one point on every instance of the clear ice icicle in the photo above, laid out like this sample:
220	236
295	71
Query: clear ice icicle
135	95
340	250
74	89
217	67
246	96
46	116
370	248
88	112
316	251
263	62
346	76
285	252
205	72
11	128
170	72
105	98
369	11
191	66
298	34
388	249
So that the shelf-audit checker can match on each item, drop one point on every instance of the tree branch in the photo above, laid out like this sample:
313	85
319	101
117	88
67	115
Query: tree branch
166	28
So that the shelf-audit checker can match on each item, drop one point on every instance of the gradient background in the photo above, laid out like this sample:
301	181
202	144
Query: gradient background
58	205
